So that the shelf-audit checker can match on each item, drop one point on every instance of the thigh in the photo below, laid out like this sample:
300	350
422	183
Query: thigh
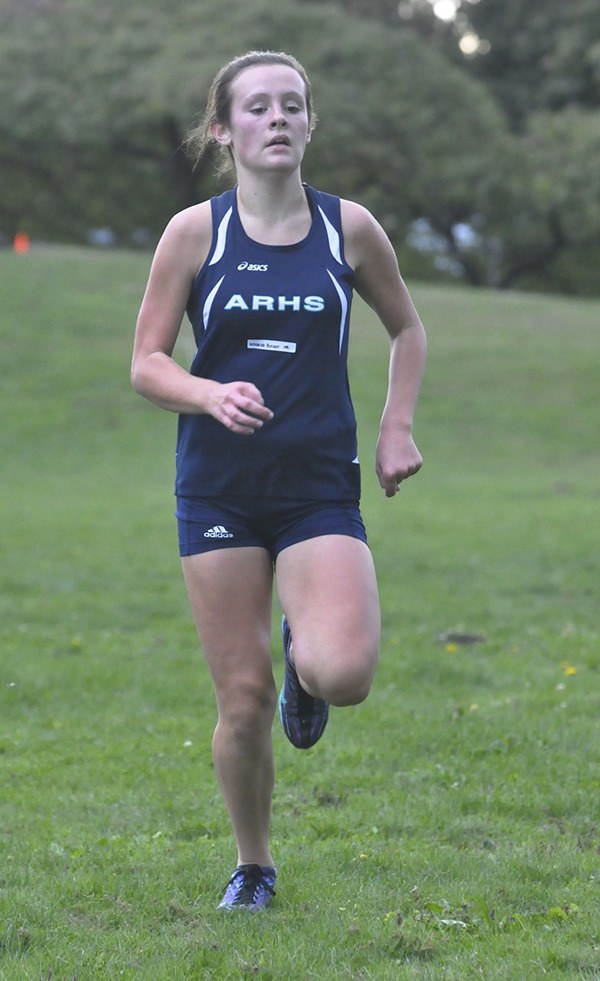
328	591
230	593
206	525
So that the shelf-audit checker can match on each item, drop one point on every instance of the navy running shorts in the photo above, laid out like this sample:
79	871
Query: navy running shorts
206	524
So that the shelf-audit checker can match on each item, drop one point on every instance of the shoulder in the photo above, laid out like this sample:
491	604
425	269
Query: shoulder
365	241
359	224
187	238
193	225
376	274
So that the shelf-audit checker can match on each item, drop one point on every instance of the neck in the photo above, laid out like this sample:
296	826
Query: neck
273	210
275	196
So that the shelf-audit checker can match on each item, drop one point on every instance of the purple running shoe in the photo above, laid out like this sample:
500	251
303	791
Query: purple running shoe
250	887
303	717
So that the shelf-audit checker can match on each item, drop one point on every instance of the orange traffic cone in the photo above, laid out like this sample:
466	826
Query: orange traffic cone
21	243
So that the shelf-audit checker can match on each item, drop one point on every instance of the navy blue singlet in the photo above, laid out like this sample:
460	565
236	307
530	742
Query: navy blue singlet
277	316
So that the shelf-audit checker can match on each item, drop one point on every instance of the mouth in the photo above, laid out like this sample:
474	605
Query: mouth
279	141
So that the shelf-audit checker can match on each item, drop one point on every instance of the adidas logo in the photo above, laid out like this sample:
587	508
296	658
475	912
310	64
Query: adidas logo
218	532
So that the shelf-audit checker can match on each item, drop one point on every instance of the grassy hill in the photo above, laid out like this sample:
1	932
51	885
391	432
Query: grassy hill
446	828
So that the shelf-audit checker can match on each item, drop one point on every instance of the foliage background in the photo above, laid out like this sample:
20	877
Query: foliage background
95	100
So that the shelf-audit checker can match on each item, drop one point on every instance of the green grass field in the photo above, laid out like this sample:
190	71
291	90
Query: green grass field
448	827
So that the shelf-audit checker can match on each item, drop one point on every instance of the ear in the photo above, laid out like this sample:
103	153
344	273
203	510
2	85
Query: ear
220	133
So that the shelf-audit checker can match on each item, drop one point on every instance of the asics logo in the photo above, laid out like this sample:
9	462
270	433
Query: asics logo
218	531
252	267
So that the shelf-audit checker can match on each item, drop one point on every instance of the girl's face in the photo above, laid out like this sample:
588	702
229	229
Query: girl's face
268	128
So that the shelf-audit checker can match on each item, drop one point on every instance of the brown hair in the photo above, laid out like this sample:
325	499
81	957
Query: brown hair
218	104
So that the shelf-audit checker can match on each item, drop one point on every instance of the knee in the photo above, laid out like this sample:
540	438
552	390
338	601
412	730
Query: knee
246	709
342	680
351	688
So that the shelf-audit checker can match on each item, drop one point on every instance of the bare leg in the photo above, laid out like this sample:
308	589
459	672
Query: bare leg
230	593
328	592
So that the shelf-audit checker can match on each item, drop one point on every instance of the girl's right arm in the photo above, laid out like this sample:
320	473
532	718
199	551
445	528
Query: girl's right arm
182	250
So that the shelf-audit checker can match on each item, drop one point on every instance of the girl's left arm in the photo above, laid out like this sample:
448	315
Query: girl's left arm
378	280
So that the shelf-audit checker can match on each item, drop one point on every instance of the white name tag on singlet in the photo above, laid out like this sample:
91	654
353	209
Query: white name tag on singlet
262	344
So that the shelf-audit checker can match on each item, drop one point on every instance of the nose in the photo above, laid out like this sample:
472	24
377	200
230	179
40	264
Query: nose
277	119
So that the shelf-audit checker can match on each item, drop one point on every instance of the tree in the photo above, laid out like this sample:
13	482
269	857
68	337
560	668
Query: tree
543	55
92	133
59	127
561	217
534	54
110	91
